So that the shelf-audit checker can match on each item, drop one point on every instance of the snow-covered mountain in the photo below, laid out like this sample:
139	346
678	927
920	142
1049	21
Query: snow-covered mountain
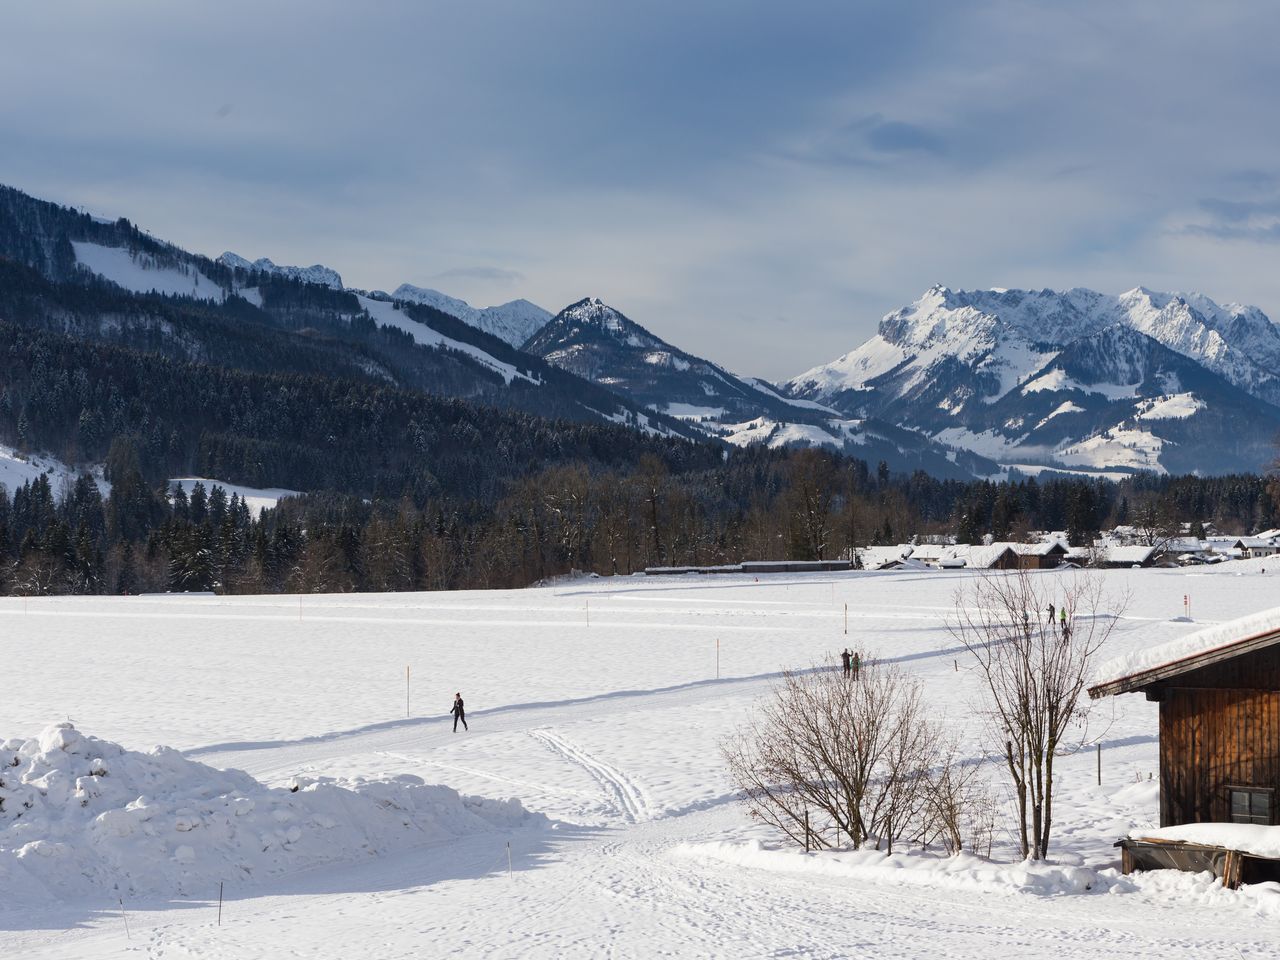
514	322
316	273
597	342
1142	380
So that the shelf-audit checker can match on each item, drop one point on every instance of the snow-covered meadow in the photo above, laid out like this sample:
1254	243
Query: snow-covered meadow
593	703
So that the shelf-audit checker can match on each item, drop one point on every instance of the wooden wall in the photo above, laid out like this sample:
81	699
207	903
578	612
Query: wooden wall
1219	727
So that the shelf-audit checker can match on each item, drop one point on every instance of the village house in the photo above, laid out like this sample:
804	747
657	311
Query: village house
1251	547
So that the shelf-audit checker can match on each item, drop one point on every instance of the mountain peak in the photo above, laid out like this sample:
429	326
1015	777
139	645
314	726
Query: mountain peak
515	321
316	273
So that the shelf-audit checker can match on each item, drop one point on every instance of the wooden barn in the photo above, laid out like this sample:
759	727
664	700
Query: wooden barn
1040	556
1219	696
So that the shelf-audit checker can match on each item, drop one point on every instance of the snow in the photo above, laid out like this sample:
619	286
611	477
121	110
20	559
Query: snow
1064	407
140	272
768	431
390	315
1202	641
664	358
256	499
690	411
1178	406
18	468
84	817
596	703
1115	447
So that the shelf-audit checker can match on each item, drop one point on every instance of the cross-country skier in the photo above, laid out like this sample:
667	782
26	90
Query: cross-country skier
459	713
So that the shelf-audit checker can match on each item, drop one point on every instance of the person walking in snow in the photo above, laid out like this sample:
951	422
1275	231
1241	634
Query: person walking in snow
459	713
845	659
855	664
1051	613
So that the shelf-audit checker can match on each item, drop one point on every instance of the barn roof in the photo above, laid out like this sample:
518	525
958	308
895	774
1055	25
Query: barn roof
983	556
1042	549
1222	641
1116	553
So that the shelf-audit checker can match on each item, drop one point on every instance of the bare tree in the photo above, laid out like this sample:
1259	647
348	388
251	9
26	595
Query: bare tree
830	757
1034	663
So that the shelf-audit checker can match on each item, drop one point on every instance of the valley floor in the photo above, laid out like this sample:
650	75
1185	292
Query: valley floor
597	703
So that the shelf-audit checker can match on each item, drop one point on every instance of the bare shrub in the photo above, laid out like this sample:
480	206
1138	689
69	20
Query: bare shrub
828	757
960	809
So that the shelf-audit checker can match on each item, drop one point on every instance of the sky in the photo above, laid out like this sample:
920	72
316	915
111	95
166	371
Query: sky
757	183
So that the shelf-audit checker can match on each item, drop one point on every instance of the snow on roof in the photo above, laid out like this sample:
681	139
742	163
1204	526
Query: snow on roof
983	555
875	557
1253	543
1114	553
931	551
1141	666
1251	838
1036	549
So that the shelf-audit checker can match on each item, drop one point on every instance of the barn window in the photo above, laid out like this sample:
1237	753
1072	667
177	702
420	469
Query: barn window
1251	805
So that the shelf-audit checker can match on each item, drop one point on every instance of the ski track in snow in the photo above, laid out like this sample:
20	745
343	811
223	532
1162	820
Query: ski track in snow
630	800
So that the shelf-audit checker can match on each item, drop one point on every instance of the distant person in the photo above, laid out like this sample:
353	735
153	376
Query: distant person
856	664
459	713
1051	612
846	660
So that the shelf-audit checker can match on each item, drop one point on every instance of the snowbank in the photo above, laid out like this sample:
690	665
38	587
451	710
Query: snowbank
908	869
81	817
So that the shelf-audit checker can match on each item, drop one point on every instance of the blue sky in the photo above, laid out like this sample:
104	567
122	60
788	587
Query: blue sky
756	183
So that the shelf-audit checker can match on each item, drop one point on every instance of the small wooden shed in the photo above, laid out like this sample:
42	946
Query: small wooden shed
1219	696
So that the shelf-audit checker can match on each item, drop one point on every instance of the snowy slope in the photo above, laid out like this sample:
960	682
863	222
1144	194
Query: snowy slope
256	499
389	314
515	322
17	469
316	273
610	724
142	273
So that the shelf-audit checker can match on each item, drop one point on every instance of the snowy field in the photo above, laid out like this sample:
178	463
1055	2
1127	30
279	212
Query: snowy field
596	705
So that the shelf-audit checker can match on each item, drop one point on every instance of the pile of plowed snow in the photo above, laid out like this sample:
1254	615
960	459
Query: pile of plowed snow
81	816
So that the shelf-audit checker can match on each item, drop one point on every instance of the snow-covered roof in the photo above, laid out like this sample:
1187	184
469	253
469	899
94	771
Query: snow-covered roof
1144	667
931	551
1253	543
984	555
1037	549
1251	838
1114	553
873	558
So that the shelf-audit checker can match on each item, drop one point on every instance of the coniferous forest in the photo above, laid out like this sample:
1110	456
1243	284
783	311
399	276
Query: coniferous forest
576	515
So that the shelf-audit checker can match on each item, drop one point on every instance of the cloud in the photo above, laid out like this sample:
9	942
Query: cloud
894	136
492	274
707	167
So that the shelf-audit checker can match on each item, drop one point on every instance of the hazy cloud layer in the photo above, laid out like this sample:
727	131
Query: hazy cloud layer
758	185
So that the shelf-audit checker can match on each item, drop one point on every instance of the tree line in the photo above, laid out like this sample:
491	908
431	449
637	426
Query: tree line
579	514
